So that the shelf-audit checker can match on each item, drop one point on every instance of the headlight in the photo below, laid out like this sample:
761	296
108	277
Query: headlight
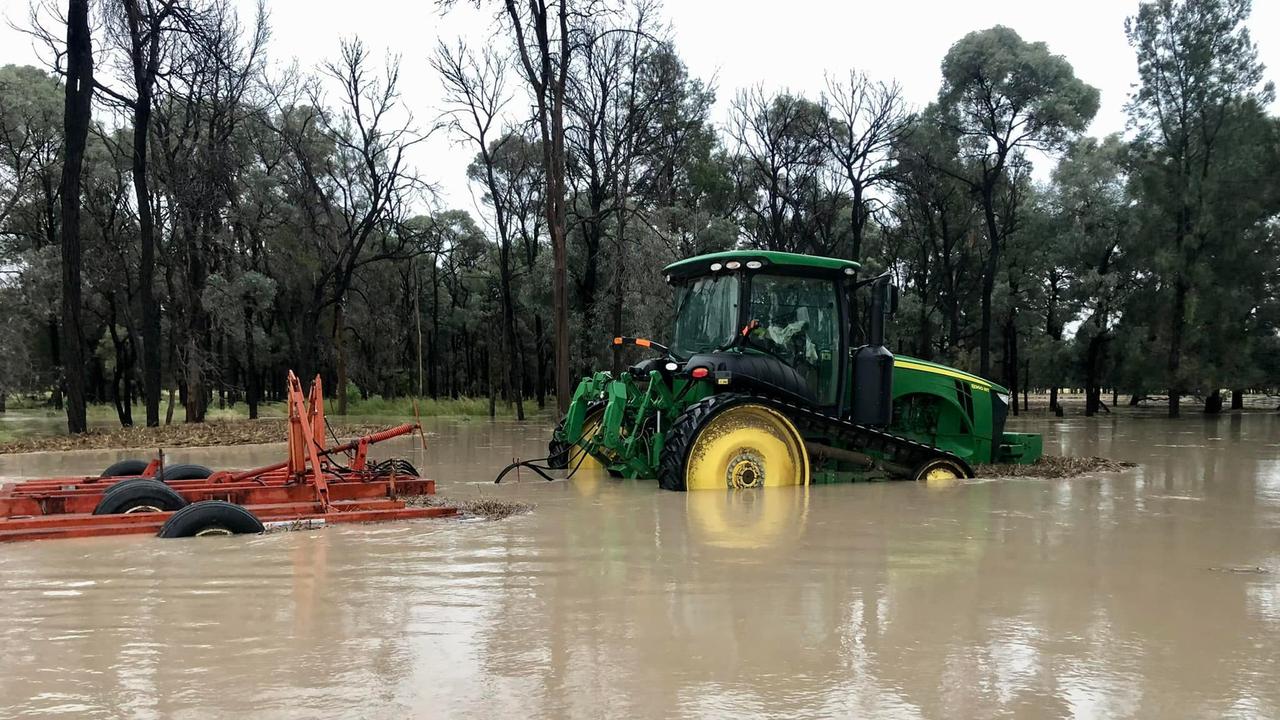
1004	397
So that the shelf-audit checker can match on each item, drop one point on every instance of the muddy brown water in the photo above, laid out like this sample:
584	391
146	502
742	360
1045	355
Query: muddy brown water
1152	593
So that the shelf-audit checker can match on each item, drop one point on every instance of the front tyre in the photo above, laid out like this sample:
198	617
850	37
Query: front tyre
732	441
563	455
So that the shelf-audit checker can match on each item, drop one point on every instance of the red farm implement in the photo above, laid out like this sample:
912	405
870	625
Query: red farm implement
320	484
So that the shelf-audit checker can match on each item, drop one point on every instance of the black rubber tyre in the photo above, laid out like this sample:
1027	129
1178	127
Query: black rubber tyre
957	469
139	495
125	468
211	517
675	450
184	471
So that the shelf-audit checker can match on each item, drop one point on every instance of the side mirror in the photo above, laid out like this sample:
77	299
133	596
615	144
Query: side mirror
891	302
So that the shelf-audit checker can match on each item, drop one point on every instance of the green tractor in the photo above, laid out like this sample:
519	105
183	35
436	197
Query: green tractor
769	380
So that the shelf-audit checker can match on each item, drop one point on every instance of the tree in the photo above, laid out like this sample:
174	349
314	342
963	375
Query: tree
545	50
1091	198
77	115
865	121
475	91
999	95
138	29
779	168
1196	61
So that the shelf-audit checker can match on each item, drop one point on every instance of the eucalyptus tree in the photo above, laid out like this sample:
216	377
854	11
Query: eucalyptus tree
780	159
1001	96
1196	63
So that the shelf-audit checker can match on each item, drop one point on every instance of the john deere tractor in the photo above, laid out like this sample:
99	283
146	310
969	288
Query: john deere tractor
769	379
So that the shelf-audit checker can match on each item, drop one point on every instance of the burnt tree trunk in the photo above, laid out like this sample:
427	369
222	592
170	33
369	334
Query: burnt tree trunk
77	113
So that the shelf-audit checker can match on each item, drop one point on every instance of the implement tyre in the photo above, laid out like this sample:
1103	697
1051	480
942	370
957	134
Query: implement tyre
139	495
184	471
211	517
732	441
125	468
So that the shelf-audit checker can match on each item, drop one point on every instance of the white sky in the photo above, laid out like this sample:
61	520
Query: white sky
735	42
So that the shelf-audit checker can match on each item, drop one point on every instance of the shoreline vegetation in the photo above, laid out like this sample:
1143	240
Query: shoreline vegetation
34	429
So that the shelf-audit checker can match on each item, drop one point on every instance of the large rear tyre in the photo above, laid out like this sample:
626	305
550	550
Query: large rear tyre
211	517
125	468
732	441
139	495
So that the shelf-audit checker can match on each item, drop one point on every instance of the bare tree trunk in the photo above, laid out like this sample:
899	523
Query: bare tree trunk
252	389
77	113
1178	321
339	347
988	279
144	51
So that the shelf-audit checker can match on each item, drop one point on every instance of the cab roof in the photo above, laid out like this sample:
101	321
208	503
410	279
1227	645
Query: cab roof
791	262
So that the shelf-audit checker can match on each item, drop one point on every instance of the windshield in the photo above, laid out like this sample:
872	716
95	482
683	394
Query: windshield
706	314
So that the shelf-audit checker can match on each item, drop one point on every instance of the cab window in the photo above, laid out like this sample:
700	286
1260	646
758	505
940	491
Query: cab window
797	320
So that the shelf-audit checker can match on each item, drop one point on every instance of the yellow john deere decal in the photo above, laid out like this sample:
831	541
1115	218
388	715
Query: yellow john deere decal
977	382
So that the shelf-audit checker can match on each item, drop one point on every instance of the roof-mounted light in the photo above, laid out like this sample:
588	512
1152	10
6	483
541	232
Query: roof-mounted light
733	265
850	271
754	264
716	267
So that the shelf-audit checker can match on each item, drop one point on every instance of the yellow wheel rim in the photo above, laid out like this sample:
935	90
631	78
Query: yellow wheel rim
590	426
747	446
941	474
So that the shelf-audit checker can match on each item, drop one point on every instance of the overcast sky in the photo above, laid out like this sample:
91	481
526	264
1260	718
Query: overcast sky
737	43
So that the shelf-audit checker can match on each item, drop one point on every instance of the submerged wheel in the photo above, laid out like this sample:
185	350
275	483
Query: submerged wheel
939	470
211	517
184	471
561	455
139	495
732	441
125	468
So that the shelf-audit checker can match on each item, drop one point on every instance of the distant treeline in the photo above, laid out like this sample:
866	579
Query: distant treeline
212	220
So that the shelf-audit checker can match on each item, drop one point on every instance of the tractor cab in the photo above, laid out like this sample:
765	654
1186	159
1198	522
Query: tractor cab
784	324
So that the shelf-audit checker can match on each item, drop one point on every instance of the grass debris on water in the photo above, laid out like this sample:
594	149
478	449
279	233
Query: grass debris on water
1054	467
484	507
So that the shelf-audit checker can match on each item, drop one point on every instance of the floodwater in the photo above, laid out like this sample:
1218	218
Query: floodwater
1152	593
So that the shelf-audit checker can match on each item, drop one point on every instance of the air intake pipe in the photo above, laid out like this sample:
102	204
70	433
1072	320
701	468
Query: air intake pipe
873	363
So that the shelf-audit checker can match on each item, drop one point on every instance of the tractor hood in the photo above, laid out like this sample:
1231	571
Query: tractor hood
778	262
909	363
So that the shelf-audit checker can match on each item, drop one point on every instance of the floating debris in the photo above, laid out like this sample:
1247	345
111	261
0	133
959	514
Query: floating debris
1242	570
1055	467
483	507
